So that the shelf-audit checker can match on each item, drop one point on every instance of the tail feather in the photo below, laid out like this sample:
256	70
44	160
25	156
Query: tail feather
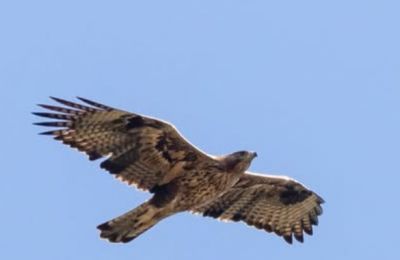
131	224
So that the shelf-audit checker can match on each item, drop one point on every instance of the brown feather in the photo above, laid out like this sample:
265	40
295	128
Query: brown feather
271	203
142	151
151	155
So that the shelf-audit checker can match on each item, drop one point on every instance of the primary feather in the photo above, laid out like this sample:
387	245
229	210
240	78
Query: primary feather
152	155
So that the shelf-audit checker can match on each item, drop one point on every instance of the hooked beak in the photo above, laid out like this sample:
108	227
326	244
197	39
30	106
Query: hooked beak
253	155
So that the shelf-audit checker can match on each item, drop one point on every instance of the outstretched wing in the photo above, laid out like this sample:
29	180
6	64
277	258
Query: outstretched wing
273	203
142	151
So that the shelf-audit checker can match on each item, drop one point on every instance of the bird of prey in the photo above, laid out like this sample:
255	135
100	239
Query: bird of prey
152	155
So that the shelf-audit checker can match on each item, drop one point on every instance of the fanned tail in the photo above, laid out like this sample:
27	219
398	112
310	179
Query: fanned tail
131	224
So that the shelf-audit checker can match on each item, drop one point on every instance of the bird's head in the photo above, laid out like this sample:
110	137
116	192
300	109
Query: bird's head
239	161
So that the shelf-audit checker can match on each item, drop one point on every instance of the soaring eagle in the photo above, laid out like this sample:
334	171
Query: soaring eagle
152	155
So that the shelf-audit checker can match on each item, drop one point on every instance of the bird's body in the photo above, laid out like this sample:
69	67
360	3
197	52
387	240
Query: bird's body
186	193
206	181
153	156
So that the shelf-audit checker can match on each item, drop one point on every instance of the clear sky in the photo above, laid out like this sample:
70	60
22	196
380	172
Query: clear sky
312	86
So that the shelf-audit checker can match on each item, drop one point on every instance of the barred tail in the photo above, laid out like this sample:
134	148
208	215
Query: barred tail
131	224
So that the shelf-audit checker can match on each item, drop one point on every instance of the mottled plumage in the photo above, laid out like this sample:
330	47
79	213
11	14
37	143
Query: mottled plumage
151	155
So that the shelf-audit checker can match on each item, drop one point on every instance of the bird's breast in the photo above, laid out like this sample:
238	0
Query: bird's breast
201	187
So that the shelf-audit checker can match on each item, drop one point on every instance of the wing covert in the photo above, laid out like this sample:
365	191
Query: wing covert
272	203
140	150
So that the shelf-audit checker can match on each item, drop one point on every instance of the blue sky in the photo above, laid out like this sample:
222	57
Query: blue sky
312	86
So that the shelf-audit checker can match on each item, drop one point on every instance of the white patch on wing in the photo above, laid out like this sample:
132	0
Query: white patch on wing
282	177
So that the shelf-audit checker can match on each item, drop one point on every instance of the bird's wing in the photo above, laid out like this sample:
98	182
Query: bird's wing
273	203
140	150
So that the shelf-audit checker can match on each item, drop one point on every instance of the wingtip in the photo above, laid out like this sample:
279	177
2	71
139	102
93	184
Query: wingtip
46	133
309	230
38	123
94	103
53	132
85	100
299	238
59	100
288	239
53	124
42	105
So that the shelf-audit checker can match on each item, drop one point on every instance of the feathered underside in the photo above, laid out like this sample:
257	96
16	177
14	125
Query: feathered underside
150	154
140	150
272	203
